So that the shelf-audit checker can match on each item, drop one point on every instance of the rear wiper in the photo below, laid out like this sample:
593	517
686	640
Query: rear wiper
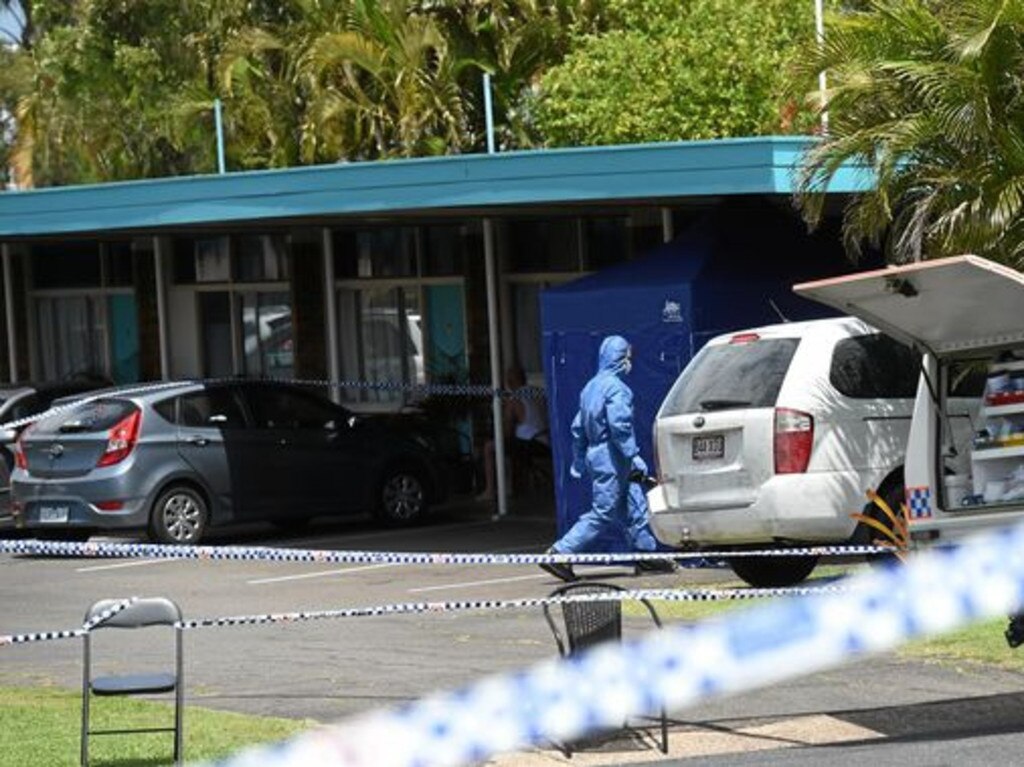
73	427
722	404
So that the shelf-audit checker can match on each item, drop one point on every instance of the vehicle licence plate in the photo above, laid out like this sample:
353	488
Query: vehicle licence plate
708	446
53	514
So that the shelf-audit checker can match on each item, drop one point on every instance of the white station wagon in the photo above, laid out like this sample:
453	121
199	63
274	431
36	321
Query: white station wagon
771	437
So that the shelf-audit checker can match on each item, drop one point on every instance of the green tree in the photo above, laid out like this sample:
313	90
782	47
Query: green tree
678	69
927	96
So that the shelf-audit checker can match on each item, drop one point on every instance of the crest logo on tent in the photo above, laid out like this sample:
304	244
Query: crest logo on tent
671	312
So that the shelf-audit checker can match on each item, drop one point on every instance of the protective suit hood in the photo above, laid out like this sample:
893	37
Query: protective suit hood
612	357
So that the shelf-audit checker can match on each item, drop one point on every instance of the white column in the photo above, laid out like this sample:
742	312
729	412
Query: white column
161	308
496	382
12	336
668	230
331	316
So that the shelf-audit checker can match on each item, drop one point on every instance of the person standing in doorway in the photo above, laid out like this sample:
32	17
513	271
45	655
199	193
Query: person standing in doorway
604	448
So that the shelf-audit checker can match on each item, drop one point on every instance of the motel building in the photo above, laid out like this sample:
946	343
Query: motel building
423	271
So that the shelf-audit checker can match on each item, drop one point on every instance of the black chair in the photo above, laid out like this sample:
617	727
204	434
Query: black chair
588	623
142	613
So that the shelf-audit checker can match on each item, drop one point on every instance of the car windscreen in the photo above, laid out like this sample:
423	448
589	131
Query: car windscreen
86	418
731	376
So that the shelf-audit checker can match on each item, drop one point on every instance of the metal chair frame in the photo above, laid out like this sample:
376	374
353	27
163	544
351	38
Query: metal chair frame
587	624
142	613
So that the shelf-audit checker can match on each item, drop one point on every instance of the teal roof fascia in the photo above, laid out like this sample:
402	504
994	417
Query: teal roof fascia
761	165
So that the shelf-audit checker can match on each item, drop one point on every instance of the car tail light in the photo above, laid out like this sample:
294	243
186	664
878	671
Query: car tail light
744	338
110	505
121	439
794	435
20	461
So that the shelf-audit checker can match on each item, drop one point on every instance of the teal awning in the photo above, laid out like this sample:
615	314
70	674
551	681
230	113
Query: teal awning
644	173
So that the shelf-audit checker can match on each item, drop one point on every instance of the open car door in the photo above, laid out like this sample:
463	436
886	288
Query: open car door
943	306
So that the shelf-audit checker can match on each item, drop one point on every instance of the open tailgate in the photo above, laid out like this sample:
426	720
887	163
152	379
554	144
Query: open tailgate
946	305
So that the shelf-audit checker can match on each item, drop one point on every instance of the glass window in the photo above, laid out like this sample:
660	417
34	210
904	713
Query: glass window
540	245
212	260
280	408
261	258
526	324
71	336
444	252
118	264
381	340
213	408
88	417
184	260
874	367
731	376
267	334
66	265
367	253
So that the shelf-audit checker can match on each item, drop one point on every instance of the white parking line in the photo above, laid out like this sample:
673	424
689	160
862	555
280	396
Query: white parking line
479	583
137	563
321	574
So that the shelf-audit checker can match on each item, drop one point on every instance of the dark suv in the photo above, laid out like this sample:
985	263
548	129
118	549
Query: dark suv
182	458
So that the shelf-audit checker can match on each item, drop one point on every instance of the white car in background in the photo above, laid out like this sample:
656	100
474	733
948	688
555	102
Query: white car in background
771	437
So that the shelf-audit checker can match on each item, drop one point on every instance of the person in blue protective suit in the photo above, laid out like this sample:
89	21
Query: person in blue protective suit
604	448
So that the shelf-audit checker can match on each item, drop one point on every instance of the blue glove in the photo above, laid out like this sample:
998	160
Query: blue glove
639	465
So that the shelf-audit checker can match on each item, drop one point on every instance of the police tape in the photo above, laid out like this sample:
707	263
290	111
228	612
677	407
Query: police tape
934	592
407	608
109	549
89	625
417	391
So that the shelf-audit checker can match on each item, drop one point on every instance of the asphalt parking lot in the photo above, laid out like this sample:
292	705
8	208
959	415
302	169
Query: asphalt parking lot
328	669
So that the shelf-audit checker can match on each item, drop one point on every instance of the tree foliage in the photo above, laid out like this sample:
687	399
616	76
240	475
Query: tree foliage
927	96
678	69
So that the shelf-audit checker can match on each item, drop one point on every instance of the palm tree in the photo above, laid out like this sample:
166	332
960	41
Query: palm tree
927	97
387	84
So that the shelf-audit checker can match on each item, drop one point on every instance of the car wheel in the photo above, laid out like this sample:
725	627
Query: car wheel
401	496
179	516
774	571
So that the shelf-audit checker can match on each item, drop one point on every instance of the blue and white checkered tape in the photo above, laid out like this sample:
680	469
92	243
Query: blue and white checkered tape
936	591
109	549
919	502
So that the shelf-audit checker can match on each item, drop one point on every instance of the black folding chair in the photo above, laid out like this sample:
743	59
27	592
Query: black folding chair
588	623
142	613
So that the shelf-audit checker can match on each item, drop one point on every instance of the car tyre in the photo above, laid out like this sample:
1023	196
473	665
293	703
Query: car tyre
179	516
774	571
401	496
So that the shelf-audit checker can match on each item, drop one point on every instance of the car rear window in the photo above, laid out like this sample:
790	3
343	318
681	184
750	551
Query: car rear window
86	418
732	376
874	366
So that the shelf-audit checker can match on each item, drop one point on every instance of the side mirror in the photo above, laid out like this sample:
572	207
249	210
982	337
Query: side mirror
8	436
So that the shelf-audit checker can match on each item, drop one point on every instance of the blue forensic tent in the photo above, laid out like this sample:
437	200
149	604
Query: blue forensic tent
733	269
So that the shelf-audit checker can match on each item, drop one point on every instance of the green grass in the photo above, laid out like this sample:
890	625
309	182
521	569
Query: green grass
40	726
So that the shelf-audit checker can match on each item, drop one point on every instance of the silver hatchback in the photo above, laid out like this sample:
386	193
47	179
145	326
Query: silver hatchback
178	460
